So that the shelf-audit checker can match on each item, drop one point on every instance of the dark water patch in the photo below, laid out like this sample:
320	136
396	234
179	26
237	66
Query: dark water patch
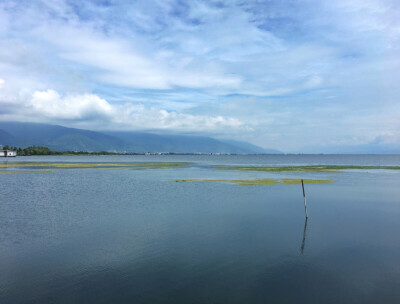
101	236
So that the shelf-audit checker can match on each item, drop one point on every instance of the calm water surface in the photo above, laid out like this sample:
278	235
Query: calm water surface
135	236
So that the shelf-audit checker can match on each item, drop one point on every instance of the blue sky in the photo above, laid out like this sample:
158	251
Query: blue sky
282	74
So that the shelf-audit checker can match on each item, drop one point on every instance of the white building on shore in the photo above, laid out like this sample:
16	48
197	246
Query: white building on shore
8	153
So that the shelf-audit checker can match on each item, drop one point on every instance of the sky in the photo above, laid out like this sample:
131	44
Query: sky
280	74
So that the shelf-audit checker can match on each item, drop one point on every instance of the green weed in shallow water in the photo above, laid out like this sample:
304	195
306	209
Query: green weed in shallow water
26	171
139	166
257	182
314	168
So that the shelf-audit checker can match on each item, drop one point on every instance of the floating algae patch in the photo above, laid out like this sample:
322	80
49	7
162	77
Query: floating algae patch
264	181
313	168
155	165
160	166
283	181
26	171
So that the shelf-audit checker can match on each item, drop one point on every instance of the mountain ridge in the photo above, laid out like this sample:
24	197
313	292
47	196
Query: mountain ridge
61	138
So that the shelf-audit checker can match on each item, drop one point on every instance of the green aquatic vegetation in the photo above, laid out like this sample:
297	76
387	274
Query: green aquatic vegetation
26	171
283	181
264	181
312	168
155	165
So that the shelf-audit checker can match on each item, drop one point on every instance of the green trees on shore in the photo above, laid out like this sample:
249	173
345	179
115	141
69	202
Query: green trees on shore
35	150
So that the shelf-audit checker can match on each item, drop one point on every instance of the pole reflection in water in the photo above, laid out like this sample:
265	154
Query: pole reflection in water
303	243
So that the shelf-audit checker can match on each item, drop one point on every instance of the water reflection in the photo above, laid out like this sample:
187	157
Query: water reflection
303	242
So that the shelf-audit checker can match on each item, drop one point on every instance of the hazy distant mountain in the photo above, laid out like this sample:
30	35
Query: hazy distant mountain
58	137
7	138
184	143
62	138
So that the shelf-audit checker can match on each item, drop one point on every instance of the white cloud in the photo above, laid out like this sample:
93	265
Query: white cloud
137	116
51	105
90	110
116	61
1	82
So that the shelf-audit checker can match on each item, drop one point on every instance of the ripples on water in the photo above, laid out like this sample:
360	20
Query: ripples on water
123	235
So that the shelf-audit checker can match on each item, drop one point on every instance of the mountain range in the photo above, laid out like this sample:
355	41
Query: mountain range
61	138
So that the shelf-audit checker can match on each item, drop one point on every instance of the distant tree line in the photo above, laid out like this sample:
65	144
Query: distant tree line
35	150
38	150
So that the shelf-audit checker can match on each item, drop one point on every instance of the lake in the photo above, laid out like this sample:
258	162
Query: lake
106	229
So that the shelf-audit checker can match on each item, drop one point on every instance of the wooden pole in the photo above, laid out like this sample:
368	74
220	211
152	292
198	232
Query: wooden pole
304	196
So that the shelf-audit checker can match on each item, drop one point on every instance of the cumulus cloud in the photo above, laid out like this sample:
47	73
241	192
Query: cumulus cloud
50	106
154	118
